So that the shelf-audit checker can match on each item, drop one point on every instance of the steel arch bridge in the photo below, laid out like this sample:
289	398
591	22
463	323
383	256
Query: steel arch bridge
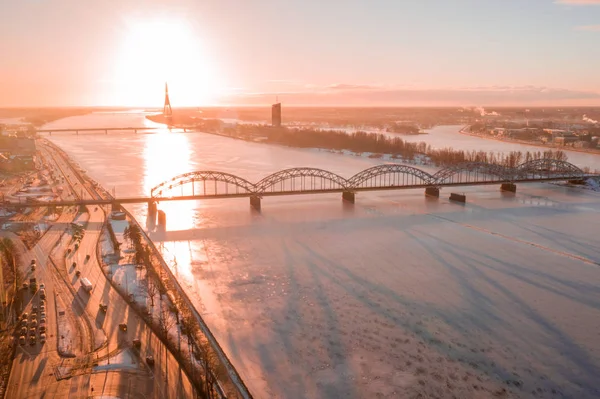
307	180
545	168
472	172
295	180
390	176
219	183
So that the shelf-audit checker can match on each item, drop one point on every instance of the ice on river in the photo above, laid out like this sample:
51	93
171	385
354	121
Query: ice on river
400	296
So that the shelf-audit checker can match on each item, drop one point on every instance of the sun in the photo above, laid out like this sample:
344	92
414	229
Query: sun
153	52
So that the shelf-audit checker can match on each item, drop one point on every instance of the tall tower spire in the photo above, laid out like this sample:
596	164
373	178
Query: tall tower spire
167	111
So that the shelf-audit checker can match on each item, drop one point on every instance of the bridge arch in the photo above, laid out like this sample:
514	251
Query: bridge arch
390	176
301	179
472	172
547	167
222	184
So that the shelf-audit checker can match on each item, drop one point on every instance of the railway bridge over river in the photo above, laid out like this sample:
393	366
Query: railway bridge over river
201	185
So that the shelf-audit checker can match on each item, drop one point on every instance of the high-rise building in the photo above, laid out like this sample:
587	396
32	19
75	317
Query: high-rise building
276	115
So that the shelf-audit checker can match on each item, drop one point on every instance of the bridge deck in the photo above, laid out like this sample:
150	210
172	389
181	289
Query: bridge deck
138	200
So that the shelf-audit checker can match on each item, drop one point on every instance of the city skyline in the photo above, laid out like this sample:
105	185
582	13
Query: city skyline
307	53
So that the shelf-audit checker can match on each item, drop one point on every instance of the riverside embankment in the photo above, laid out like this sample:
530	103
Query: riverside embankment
466	131
225	381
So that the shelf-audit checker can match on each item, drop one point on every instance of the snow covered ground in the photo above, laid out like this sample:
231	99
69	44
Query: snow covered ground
67	332
124	359
396	296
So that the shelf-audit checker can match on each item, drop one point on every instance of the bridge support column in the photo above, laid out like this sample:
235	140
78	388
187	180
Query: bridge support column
106	131
458	197
255	202
510	187
348	196
162	221
152	209
432	192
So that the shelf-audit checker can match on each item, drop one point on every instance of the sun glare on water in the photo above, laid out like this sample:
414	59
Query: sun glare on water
166	50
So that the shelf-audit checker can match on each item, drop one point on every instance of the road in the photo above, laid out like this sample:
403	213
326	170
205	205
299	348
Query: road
37	369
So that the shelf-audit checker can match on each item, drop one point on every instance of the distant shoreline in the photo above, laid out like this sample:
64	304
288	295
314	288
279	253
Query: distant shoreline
592	151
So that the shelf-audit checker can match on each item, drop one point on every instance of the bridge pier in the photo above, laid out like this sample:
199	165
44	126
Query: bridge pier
432	192
458	197
162	221
106	131
255	202
348	196
510	187
152	211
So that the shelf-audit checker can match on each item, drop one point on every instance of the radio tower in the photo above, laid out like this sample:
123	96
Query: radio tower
167	111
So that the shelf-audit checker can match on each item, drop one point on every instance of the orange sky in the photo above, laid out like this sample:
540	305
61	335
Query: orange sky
468	52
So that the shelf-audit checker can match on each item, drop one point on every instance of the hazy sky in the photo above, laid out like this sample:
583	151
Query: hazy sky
371	52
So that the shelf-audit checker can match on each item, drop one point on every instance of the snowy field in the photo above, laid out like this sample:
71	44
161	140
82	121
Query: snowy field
396	296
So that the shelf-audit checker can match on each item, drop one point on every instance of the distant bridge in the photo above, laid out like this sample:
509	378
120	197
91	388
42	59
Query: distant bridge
212	184
106	130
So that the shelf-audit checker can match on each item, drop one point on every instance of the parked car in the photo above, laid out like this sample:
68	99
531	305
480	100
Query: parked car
150	360
22	340
25	285
43	328
32	340
25	316
123	327
42	286
42	338
32	331
23	330
103	307
43	294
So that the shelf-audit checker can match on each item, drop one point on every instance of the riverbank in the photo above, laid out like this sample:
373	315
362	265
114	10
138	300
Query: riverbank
376	144
531	143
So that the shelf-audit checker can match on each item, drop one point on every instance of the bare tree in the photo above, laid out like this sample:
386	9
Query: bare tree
152	289
166	320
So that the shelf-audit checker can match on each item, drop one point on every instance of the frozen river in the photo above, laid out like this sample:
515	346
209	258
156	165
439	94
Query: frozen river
396	296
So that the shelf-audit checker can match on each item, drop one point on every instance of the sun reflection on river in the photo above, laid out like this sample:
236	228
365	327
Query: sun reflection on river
167	155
